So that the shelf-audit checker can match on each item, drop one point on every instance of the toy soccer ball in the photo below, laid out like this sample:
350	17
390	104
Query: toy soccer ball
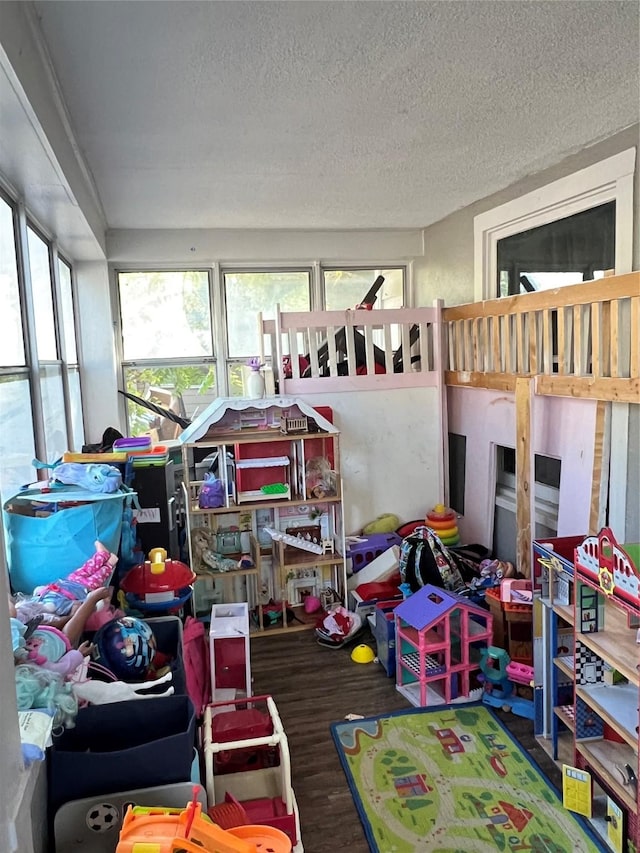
103	817
127	647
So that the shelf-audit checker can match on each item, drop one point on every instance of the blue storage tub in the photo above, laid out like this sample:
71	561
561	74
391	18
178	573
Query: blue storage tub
125	745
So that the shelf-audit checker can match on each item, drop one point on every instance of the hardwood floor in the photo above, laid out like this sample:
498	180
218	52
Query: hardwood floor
314	687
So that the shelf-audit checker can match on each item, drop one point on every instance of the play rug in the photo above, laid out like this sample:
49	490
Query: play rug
452	780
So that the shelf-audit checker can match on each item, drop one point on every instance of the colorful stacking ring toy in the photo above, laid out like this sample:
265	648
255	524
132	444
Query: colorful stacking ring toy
443	522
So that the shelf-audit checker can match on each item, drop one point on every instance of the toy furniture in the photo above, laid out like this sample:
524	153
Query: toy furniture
229	651
438	636
606	719
272	484
499	674
263	788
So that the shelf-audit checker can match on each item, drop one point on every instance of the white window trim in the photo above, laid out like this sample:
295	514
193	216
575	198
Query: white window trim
608	180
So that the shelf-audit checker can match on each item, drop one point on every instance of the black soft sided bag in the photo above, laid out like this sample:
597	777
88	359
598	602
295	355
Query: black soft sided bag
425	560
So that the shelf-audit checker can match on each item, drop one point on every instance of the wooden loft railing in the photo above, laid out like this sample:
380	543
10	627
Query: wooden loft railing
577	341
354	349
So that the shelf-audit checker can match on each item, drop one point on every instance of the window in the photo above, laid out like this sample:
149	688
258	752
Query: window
547	472
346	288
165	315
610	180
17	438
11	339
167	345
42	293
249	293
70	354
457	471
566	251
246	295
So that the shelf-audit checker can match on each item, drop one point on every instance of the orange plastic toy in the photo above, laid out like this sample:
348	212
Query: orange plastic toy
163	830
443	521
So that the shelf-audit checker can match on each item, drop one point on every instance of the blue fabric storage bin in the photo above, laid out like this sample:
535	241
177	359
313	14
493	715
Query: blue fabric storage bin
121	746
42	549
168	633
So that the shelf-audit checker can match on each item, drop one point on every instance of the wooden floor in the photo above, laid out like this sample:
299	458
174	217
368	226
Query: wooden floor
313	687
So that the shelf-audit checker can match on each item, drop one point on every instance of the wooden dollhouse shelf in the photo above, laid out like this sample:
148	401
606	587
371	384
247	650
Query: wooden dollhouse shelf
565	665
257	495
565	713
616	645
263	462
273	501
603	757
617	704
564	611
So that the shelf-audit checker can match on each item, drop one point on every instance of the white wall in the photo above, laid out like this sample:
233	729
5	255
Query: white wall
39	157
97	350
446	269
265	246
562	428
389	447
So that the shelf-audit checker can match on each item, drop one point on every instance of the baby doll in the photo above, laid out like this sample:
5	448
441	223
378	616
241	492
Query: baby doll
62	598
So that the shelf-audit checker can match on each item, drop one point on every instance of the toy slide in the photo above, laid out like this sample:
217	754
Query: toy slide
296	541
160	830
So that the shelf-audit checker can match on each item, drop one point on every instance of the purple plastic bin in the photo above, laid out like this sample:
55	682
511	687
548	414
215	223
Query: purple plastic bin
363	553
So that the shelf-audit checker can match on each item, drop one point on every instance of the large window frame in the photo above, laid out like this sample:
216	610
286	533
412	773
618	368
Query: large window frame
38	373
229	369
608	180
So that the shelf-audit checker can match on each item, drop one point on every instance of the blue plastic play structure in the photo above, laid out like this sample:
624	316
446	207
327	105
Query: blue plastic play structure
499	675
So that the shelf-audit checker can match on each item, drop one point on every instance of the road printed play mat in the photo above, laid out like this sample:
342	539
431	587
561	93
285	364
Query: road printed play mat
452	780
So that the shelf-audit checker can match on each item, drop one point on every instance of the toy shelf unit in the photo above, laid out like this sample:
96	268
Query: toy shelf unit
438	640
280	497
607	677
553	584
247	764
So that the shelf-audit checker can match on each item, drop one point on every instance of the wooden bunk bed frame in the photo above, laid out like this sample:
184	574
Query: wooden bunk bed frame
577	341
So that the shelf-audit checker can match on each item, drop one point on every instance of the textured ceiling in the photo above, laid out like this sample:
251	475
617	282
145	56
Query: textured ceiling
332	114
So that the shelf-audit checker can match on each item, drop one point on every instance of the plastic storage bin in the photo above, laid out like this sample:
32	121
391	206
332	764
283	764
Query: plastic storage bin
122	746
363	553
168	633
384	632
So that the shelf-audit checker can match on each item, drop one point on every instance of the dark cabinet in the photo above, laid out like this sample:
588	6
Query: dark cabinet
156	490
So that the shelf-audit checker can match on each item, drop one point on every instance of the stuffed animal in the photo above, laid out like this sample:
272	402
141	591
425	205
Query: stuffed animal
104	692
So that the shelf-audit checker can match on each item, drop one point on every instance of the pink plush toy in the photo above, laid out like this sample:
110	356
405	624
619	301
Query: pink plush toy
97	570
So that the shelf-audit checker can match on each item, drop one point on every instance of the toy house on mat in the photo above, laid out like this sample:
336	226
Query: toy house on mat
438	636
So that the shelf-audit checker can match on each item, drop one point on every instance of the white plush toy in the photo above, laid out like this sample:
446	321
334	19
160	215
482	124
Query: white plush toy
104	692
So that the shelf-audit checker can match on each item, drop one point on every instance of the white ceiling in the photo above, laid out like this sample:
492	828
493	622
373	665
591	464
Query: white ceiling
333	114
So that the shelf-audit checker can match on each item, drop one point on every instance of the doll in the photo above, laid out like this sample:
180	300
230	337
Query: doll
62	598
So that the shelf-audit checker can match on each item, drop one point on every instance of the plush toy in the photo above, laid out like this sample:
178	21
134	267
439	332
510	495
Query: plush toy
386	523
50	648
104	692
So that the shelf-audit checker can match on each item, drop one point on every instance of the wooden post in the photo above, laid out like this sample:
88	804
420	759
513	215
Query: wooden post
525	486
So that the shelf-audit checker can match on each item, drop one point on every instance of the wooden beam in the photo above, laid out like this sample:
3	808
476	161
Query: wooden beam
471	379
616	287
619	390
524	478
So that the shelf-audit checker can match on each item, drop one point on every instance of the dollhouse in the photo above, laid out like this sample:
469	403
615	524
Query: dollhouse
438	639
